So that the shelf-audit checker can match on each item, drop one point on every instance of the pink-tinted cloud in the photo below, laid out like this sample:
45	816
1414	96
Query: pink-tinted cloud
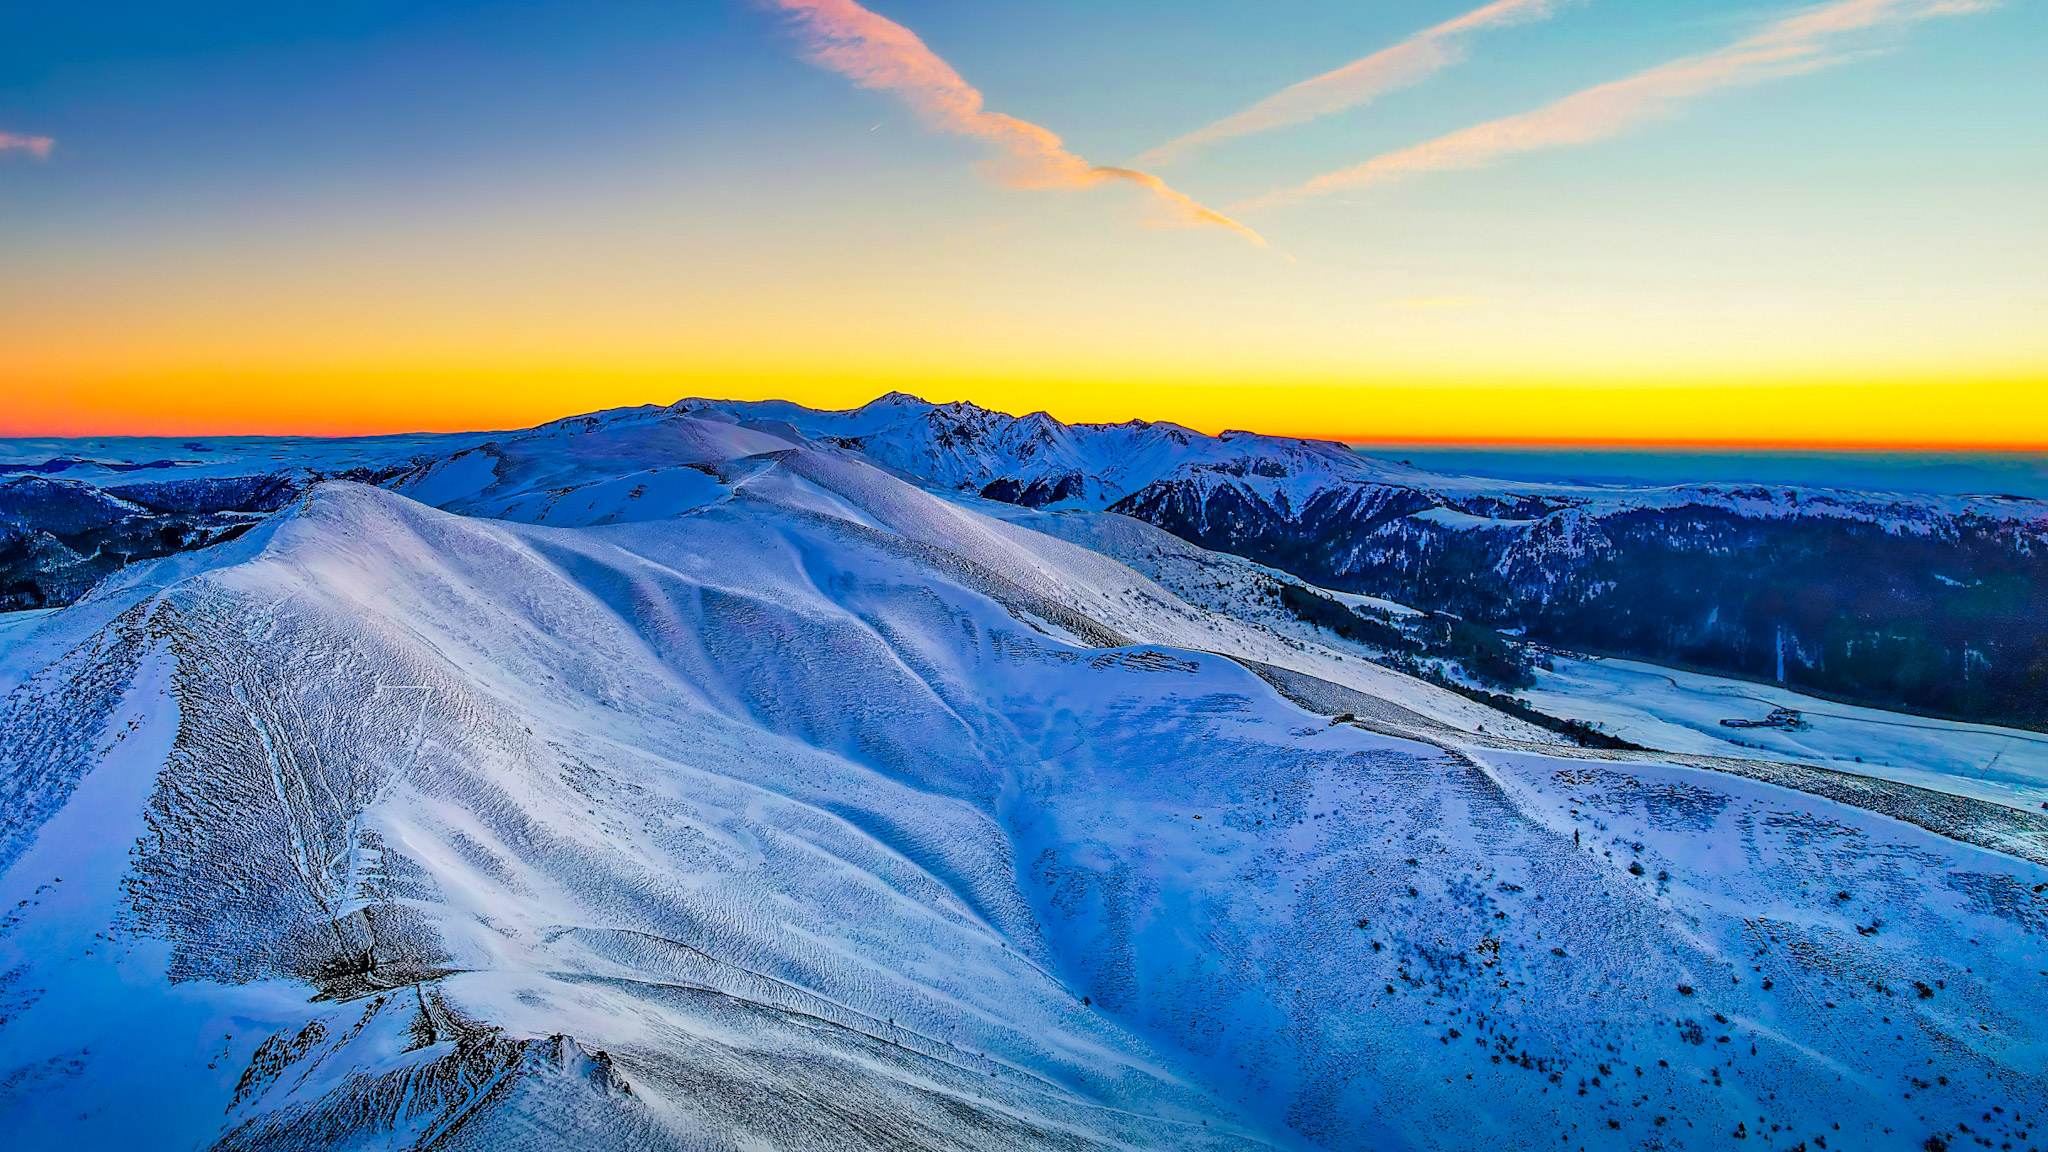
876	52
37	146
1360	82
1802	42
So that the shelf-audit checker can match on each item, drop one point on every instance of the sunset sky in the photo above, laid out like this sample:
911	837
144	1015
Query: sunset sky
1657	221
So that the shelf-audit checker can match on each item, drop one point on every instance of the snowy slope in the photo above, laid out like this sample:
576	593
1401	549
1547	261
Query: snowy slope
121	461
806	810
1657	707
1681	711
649	465
411	752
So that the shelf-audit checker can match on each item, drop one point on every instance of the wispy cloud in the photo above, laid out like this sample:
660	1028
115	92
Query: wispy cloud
876	52
1360	82
37	146
1802	42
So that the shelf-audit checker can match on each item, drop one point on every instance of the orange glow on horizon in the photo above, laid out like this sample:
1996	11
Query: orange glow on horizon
1883	416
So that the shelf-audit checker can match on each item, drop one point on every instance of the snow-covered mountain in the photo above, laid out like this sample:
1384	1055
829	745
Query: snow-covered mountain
1932	602
1037	461
659	780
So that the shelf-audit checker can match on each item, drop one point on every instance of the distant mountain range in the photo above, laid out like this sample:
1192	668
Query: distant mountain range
1935	603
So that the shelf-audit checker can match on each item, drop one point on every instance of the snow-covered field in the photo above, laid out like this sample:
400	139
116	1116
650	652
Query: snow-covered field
1679	711
704	789
115	461
14	624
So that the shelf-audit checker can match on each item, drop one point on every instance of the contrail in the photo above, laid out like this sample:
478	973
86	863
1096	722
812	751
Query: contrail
1795	44
876	52
1360	82
37	146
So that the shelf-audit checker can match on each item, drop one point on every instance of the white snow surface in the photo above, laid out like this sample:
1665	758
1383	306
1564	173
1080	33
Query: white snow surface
113	462
653	465
693	783
1681	711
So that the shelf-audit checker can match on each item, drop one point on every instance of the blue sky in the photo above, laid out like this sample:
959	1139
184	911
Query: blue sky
650	197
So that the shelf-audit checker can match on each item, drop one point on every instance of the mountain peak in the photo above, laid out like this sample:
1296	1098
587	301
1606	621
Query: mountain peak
894	399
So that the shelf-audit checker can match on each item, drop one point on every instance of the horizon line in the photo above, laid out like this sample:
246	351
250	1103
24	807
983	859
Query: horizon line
1351	440
1700	445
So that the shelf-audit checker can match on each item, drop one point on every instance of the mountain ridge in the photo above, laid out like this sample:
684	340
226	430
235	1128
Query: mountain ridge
1934	603
692	783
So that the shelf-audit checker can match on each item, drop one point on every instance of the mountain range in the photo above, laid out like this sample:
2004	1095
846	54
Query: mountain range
1932	603
736	776
1936	604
